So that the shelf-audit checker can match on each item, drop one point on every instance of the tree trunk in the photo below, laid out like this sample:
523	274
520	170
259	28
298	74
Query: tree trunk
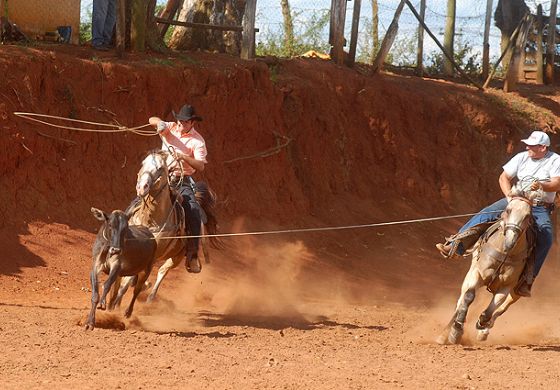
507	16
449	36
551	43
486	42
288	28
139	11
219	12
420	49
374	29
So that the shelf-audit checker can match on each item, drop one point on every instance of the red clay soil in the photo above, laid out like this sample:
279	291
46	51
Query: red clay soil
356	308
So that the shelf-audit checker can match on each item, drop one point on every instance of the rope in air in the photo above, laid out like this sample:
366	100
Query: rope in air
322	229
112	128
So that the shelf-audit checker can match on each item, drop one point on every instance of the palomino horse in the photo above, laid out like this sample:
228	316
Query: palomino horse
498	260
164	216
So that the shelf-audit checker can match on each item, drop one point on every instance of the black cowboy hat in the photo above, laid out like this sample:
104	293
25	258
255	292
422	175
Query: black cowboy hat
186	114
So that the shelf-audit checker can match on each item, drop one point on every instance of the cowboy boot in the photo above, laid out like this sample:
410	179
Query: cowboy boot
524	289
448	249
193	264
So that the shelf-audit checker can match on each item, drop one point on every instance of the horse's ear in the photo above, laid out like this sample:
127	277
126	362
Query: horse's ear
98	214
515	191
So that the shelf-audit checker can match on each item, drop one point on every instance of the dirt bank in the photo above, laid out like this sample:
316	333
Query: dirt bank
292	144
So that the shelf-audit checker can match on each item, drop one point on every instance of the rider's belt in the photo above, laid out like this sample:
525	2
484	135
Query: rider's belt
546	205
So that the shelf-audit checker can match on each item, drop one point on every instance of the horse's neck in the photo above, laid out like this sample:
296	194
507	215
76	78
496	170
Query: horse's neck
154	211
497	241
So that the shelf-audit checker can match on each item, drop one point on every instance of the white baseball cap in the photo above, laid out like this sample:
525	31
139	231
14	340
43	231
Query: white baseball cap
537	138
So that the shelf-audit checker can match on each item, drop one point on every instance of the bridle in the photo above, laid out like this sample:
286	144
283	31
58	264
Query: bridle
155	176
513	226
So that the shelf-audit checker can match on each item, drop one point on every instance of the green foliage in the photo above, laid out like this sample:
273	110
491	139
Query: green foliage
403	51
161	61
463	56
366	50
308	36
85	28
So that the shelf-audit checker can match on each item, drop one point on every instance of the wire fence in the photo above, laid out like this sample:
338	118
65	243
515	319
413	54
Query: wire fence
311	26
469	26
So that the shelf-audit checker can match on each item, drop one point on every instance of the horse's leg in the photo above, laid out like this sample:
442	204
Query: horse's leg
123	288
204	245
483	321
468	289
138	287
163	270
90	323
499	309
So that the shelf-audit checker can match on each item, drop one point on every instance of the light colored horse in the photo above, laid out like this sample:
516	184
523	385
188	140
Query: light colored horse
164	216
497	263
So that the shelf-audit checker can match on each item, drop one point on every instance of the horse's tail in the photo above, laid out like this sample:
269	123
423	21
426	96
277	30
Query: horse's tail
207	200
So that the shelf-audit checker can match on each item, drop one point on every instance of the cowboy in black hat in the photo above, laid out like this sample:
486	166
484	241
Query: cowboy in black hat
190	157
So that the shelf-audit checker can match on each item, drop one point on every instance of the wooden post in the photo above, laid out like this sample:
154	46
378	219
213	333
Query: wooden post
540	62
248	41
339	17
551	43
449	36
120	32
486	43
420	50
168	13
354	34
517	57
388	39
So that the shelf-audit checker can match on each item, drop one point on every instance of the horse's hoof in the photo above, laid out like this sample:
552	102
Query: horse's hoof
455	335
482	334
89	326
127	314
442	339
150	299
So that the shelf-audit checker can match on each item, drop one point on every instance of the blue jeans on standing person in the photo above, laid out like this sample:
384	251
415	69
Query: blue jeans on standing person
103	21
543	225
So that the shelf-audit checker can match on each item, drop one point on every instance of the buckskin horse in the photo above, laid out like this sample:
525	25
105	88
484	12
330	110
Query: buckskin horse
499	258
160	210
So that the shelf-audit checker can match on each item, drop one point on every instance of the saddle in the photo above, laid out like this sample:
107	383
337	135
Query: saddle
478	235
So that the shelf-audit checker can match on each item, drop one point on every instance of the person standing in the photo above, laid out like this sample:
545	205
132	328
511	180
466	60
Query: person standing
104	18
189	157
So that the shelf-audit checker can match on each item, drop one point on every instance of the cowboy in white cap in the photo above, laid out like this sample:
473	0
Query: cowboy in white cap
542	166
190	157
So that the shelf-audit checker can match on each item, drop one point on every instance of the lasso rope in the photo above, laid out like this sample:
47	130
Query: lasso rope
112	127
305	230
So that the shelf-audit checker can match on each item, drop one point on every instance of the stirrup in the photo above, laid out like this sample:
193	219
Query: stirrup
448	253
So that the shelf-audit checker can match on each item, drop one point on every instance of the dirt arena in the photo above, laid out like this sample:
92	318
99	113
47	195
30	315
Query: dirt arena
292	144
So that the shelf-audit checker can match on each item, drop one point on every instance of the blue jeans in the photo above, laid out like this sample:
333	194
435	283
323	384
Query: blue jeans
543	225
194	218
103	21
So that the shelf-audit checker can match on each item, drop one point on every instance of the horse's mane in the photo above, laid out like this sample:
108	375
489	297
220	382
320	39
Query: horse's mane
159	152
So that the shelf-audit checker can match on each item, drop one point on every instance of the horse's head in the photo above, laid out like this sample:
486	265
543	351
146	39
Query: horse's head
115	226
517	215
153	174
